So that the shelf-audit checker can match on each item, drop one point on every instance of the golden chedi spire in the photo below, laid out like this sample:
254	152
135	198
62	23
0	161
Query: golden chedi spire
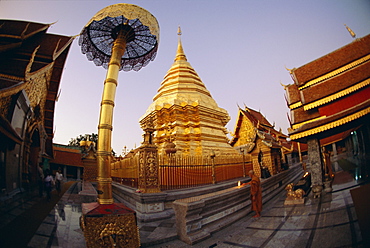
180	55
184	112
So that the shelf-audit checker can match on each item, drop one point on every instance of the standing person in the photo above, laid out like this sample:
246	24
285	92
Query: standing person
256	194
40	180
49	181
58	181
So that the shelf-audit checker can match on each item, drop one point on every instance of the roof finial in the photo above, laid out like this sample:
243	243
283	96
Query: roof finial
350	31
285	86
180	55
289	70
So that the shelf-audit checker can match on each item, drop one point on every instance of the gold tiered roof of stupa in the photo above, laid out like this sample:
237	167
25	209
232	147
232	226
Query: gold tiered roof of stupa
184	112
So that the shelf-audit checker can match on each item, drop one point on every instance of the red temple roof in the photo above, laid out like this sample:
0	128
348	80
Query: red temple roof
67	156
331	94
327	63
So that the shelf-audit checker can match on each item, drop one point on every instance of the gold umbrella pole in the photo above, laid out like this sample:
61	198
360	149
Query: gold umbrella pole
105	39
105	122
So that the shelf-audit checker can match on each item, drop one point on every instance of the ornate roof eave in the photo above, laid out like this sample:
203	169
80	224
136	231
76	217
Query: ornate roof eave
337	95
271	144
60	48
14	89
237	127
336	72
26	30
333	121
249	113
39	59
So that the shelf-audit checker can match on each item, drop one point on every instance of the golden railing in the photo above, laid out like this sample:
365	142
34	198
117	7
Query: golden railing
179	171
125	171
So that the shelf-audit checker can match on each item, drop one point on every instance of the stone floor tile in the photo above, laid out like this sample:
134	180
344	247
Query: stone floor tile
299	222
333	218
45	229
289	239
270	223
38	241
338	236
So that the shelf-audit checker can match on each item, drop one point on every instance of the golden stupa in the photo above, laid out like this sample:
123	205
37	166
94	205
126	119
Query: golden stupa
184	113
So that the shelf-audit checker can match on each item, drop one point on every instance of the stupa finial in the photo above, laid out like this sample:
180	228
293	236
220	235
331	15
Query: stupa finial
180	55
350	31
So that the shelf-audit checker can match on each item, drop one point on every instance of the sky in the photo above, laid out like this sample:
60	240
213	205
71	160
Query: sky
239	48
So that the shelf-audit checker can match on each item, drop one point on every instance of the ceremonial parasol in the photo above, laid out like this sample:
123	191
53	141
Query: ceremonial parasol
119	37
139	27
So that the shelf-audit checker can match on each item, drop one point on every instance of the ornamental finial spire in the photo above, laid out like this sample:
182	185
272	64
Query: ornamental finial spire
350	31
180	55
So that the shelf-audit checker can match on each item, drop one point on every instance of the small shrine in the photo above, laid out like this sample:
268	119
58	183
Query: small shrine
254	135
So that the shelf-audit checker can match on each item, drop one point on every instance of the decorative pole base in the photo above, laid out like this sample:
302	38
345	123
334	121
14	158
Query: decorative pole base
109	225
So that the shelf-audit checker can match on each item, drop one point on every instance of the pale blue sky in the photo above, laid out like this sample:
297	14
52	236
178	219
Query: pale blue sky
239	48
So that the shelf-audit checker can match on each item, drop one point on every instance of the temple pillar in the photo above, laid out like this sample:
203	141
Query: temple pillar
148	170
65	171
148	181
315	166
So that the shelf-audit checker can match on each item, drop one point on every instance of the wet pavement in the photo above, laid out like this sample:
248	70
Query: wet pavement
329	221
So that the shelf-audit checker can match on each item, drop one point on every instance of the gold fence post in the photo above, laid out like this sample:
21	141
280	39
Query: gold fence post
242	151
213	155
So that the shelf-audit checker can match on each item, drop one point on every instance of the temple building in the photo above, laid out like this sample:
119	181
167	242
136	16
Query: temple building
31	65
184	114
329	103
255	136
69	160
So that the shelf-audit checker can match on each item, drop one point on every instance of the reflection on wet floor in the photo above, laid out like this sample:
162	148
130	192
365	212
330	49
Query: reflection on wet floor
61	227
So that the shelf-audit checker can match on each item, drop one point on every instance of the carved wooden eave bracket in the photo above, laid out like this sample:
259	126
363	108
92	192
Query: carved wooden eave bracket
60	48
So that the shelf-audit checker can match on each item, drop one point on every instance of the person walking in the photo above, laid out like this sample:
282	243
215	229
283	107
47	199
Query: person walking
256	194
58	181
49	181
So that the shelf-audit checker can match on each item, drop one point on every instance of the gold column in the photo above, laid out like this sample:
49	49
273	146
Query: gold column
299	152
105	122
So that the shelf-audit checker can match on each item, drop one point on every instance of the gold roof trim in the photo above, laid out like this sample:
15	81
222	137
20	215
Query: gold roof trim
296	126
336	72
295	105
331	125
337	95
11	77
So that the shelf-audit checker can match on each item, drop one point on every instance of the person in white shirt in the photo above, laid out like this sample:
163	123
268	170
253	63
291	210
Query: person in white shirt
49	181
58	181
